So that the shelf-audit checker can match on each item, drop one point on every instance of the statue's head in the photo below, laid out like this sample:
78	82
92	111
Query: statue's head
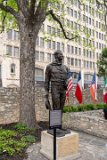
58	55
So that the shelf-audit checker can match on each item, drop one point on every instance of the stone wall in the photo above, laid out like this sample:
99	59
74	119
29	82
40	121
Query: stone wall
91	122
9	104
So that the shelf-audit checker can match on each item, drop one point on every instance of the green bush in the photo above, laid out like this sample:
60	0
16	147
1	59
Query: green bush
74	109
84	107
21	127
13	141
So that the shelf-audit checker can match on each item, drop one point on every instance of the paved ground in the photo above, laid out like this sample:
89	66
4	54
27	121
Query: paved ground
90	148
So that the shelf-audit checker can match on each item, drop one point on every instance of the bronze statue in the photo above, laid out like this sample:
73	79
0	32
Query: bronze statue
56	76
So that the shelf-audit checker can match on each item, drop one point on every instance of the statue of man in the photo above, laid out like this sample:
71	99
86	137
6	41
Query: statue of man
56	76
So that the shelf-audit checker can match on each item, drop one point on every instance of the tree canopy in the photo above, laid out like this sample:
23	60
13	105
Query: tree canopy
102	63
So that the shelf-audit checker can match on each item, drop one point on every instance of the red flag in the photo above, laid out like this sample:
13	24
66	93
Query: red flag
78	92
105	90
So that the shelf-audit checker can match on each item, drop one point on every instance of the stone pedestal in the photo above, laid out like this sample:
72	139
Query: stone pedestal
66	146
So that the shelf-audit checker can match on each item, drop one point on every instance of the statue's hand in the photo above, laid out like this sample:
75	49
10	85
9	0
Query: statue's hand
47	104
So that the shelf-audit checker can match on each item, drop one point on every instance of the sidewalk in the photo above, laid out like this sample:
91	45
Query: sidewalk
90	148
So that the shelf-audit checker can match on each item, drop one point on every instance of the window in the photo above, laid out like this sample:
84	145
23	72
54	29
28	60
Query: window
68	48
97	24
72	61
89	20
41	56
72	12
75	50
53	45
0	72
41	42
79	51
75	75
68	61
93	22
72	49
49	29
75	14
53	31
63	47
16	51
68	23
37	41
96	34
71	24
37	55
9	50
75	62
49	44
12	68
99	45
58	32
53	58
99	35
68	10
42	28
79	63
58	45
39	74
9	34
48	57
16	35
90	64
83	18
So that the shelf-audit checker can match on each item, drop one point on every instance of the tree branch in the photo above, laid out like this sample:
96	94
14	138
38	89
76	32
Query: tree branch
57	20
32	7
40	13
105	4
10	10
23	6
3	23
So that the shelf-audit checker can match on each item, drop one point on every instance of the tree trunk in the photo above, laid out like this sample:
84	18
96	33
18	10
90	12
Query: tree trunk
27	75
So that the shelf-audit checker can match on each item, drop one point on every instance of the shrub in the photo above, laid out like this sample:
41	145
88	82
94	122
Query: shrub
84	107
14	141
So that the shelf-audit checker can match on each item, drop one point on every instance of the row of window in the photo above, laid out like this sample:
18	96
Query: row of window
77	63
88	54
40	56
89	65
50	44
89	9
94	23
91	43
73	50
74	62
85	18
70	24
87	31
61	46
90	76
100	36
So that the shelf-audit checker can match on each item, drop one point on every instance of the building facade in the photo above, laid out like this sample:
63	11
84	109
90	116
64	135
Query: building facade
80	54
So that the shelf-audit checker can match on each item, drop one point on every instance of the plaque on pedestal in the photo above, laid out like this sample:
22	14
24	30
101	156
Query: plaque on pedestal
55	119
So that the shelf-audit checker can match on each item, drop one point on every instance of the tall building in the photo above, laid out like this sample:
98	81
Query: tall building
79	54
